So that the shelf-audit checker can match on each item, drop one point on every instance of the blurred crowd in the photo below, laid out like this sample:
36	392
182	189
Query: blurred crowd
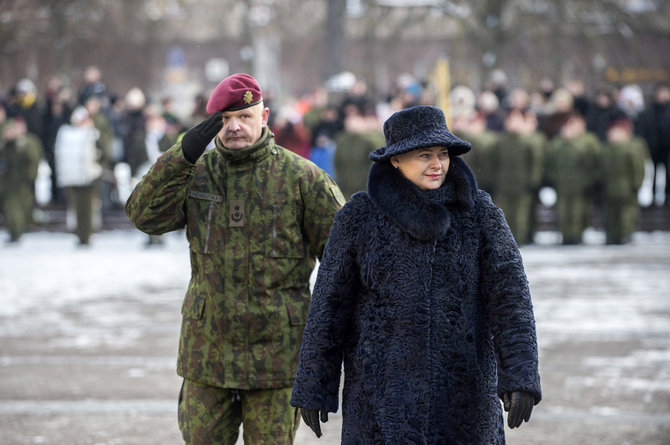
84	148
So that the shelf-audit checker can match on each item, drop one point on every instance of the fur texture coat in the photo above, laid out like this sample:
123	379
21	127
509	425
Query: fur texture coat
423	296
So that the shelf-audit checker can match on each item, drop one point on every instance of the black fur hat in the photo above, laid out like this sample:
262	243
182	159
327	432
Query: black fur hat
418	127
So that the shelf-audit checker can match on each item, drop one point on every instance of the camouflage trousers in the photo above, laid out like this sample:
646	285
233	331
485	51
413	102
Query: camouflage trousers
209	415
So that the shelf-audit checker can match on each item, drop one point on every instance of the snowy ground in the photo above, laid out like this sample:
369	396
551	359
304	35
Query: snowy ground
88	340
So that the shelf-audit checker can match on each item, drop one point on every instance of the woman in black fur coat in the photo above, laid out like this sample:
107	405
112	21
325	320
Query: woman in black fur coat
422	294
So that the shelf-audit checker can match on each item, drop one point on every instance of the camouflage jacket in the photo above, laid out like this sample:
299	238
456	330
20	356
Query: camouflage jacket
256	220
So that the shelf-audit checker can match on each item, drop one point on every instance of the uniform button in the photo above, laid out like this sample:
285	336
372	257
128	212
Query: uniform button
274	151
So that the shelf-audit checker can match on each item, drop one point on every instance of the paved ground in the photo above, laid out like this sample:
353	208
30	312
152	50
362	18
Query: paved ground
88	341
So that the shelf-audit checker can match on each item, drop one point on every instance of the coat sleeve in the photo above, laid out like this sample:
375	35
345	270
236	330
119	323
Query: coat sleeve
156	205
509	309
329	320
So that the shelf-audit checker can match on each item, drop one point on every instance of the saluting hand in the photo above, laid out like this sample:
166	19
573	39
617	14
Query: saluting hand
196	139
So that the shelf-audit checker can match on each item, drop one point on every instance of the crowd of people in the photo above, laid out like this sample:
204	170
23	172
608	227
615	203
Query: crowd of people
590	147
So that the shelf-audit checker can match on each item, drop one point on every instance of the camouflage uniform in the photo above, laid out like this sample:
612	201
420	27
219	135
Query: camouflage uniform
19	161
623	173
256	219
571	168
518	163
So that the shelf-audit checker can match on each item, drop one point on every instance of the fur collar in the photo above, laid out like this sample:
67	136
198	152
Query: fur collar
422	214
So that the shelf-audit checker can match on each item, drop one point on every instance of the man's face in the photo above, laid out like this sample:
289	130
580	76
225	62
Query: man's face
242	128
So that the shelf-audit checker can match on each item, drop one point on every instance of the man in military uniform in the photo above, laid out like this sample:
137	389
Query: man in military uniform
623	159
571	167
20	155
518	160
257	216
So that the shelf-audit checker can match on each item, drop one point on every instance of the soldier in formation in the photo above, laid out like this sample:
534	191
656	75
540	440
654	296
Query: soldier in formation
623	158
20	155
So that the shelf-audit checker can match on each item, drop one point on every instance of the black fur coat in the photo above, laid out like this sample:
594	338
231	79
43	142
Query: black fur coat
423	296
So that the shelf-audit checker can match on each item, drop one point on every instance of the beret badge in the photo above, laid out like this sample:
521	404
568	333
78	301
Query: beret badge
248	97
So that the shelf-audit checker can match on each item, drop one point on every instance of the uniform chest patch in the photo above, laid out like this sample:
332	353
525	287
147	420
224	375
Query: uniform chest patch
236	213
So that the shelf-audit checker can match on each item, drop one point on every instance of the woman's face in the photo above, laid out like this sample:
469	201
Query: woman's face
425	167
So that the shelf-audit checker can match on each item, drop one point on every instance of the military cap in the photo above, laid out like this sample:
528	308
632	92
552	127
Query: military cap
235	93
418	127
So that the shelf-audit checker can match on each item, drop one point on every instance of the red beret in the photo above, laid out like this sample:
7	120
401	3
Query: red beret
234	93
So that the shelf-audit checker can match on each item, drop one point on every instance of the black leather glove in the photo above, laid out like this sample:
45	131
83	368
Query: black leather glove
311	418
519	405
196	139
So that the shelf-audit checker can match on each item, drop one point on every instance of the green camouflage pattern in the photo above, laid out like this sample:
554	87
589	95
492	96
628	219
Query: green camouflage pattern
256	220
519	160
210	415
571	167
622	166
19	162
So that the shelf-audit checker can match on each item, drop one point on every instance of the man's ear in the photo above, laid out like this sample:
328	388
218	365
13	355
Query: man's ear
265	115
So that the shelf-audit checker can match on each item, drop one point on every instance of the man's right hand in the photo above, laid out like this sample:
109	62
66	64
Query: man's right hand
311	418
196	139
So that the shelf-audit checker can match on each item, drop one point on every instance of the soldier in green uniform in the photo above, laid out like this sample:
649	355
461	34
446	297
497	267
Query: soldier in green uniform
20	155
352	161
571	167
518	160
481	158
623	158
257	217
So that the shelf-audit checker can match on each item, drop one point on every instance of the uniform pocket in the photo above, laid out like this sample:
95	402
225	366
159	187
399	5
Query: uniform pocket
201	212
297	313
194	305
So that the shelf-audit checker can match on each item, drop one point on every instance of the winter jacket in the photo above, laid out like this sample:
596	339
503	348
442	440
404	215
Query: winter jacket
256	220
424	297
77	156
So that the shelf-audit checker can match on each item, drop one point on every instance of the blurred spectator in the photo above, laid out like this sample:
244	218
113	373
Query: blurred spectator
497	84
20	155
174	126
631	102
328	124
199	112
105	144
654	123
580	101
134	132
57	110
602	112
318	103
571	168
23	102
557	111
488	106
92	85
79	170
622	161
290	132
463	103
